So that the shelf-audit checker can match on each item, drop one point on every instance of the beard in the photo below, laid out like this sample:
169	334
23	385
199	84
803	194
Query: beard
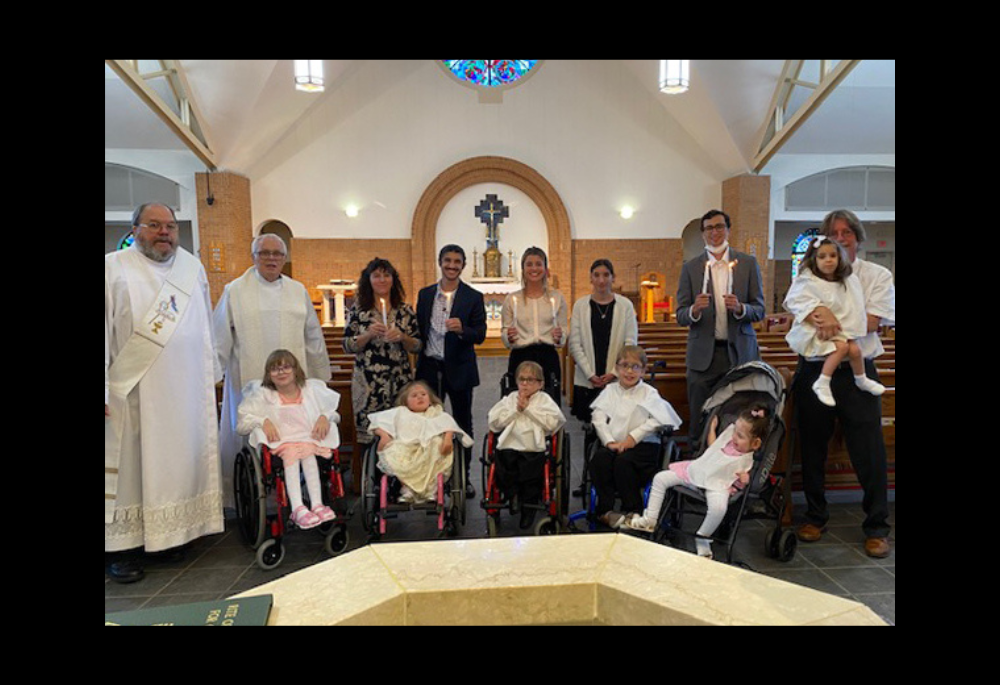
149	250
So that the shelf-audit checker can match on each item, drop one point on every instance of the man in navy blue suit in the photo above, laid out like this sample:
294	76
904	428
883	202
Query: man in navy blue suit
452	320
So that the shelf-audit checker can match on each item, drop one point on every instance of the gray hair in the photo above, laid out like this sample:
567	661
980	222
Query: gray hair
137	214
259	239
853	222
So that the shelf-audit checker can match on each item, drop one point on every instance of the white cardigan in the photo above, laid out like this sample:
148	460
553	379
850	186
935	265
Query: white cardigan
260	403
624	331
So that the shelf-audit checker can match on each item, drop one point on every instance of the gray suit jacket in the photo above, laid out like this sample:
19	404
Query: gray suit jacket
747	286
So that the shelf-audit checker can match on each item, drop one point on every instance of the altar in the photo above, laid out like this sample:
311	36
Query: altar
335	301
495	291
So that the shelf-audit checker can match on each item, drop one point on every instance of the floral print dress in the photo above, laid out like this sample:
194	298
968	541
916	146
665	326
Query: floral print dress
381	369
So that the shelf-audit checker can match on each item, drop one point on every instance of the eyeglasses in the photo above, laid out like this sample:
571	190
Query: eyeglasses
635	368
716	227
529	380
286	368
156	226
267	254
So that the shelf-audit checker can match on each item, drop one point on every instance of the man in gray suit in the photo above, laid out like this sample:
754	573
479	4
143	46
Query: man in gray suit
719	298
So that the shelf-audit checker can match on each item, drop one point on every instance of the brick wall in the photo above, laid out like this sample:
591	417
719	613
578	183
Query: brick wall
747	200
316	261
226	231
225	227
665	257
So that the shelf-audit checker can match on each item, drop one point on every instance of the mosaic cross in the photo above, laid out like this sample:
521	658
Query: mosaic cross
492	212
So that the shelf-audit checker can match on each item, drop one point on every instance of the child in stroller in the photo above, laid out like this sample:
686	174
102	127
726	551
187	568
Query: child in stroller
722	469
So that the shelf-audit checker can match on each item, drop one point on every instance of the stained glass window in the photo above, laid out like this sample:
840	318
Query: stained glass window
126	242
490	72
800	247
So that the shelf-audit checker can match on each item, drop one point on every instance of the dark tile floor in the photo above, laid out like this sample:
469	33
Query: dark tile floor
221	565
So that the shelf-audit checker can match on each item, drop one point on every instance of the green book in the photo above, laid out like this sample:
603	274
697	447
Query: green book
246	611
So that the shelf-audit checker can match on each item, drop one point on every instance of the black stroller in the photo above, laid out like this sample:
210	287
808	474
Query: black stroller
766	494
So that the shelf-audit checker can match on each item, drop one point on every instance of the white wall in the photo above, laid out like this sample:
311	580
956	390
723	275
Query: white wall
525	227
179	166
391	127
787	169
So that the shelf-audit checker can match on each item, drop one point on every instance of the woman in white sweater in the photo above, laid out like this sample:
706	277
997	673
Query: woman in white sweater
602	324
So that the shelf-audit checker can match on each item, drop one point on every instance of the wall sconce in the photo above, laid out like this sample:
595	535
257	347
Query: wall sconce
352	211
626	212
675	76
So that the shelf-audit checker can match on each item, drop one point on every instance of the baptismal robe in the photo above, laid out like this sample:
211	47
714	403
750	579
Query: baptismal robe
163	433
253	319
638	411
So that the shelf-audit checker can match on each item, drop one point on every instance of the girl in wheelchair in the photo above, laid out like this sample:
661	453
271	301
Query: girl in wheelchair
416	442
523	419
297	419
720	471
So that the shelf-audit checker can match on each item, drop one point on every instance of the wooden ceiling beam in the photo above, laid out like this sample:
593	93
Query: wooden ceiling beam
188	125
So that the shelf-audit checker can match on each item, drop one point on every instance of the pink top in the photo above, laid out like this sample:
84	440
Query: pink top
294	426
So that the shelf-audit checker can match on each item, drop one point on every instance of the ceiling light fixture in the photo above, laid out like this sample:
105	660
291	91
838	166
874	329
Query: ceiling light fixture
675	76
309	75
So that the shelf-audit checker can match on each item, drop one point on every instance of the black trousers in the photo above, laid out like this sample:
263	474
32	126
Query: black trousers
521	474
860	416
700	387
435	373
625	474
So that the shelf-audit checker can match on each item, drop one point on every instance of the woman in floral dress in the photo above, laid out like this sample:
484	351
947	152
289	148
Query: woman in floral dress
381	332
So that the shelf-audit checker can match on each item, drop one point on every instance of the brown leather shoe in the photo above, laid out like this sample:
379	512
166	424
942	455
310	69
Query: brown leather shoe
807	532
877	547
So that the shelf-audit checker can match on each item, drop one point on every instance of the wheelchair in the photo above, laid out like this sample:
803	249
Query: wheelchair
380	491
669	451
556	476
262	504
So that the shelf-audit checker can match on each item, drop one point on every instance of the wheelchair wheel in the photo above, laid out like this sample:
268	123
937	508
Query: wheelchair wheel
337	540
548	526
458	501
270	554
251	498
557	519
565	475
369	493
781	544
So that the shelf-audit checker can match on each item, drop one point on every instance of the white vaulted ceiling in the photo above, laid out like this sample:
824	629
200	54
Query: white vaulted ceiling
245	107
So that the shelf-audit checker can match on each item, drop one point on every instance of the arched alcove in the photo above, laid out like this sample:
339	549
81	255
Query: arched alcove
491	170
694	242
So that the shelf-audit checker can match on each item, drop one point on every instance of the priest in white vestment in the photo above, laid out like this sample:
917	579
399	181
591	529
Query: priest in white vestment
161	459
258	313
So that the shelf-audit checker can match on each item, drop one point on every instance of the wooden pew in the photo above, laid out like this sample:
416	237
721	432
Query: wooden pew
672	387
839	470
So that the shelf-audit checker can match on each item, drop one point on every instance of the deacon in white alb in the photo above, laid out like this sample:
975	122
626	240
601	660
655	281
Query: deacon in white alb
161	461
258	313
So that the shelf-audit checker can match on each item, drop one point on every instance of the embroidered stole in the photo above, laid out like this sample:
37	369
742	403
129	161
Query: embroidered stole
244	297
150	334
